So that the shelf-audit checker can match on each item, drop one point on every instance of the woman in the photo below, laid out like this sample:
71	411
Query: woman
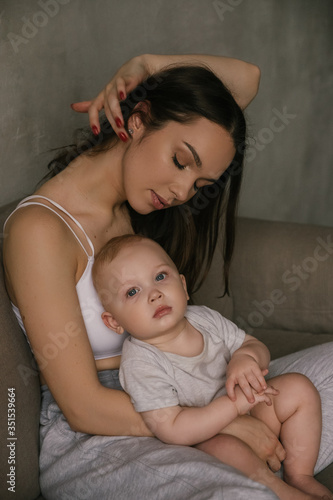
171	148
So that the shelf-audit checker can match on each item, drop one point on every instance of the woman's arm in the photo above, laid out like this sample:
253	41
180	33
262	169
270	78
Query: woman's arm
240	77
41	262
189	425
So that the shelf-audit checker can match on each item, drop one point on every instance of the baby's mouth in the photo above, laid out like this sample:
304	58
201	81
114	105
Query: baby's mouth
162	311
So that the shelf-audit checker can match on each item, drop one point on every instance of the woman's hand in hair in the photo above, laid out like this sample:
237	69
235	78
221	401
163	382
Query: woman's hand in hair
240	77
128	76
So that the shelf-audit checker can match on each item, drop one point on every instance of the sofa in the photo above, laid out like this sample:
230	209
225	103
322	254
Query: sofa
281	292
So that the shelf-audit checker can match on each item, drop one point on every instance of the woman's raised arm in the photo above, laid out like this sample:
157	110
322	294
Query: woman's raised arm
41	263
240	77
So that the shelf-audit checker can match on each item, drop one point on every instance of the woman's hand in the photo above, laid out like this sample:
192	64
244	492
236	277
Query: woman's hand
260	438
240	77
124	81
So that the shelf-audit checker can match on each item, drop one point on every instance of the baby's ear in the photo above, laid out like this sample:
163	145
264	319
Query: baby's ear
182	277
112	323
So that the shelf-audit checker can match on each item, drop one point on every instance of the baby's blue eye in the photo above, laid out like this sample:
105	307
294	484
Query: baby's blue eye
131	292
160	277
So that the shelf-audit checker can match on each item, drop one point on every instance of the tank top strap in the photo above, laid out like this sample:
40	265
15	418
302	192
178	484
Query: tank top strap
30	200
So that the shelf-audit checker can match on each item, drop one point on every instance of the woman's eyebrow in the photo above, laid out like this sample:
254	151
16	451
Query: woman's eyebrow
194	153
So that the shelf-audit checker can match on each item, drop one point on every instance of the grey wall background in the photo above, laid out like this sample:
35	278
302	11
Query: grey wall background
54	52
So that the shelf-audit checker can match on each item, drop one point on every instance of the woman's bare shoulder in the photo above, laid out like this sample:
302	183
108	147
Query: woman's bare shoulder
35	222
37	247
32	214
35	235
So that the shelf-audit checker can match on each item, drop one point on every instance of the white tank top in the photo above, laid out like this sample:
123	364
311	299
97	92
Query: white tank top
105	343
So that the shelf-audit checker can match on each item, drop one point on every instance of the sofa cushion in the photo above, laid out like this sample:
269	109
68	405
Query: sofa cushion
282	276
283	342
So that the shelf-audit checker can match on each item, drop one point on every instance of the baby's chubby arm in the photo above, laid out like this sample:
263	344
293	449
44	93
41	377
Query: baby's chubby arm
189	426
247	368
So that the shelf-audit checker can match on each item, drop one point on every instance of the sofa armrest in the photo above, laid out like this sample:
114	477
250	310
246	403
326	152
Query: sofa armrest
282	276
18	372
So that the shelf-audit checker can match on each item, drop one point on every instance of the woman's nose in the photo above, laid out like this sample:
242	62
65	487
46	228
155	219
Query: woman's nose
182	191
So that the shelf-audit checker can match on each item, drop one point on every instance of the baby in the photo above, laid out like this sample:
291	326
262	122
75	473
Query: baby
190	372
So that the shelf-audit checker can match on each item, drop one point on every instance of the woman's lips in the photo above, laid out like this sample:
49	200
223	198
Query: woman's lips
162	311
158	202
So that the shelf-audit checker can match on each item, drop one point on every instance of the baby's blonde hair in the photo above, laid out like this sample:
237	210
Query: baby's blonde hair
111	249
105	256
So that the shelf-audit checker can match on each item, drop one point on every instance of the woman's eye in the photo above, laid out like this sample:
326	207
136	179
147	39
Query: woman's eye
132	292
176	162
160	277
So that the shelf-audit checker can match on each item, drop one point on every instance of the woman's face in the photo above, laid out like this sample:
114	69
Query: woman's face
168	166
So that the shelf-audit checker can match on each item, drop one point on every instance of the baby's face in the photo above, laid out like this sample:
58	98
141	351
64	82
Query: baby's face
148	295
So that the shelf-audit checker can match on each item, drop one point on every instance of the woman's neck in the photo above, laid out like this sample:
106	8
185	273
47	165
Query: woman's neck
90	183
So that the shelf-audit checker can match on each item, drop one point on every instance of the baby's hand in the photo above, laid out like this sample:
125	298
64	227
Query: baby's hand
243	370
242	404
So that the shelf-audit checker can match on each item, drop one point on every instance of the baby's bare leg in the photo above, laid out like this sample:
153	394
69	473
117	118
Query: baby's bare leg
232	451
295	416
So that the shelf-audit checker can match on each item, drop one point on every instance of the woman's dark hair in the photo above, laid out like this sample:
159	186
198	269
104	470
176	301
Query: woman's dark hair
189	232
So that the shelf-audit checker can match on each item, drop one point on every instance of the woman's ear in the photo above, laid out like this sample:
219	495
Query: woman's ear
135	122
182	277
112	323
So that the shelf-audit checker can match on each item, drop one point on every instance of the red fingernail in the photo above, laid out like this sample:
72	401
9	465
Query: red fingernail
95	130
72	106
123	137
119	123
121	95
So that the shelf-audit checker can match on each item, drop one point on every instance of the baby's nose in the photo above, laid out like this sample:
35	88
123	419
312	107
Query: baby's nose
155	295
